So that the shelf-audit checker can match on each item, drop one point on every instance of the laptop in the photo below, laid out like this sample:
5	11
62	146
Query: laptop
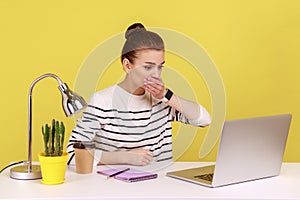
249	149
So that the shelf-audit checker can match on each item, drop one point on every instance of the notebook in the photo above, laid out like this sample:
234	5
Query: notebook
249	149
132	175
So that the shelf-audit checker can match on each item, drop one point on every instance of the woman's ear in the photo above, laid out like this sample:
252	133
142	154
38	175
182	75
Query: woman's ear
127	66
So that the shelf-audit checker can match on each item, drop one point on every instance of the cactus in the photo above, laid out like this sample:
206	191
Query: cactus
46	138
54	138
62	133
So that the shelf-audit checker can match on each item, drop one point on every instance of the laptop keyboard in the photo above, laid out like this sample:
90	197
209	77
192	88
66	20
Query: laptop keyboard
207	177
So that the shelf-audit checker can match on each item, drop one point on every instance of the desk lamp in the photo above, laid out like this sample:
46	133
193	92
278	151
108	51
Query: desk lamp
71	102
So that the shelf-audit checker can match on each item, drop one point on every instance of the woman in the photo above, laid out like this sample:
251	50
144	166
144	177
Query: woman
131	122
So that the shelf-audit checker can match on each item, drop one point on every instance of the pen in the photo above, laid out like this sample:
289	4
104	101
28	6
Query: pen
117	173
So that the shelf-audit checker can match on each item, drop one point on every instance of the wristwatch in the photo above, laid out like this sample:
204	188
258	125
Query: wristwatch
167	96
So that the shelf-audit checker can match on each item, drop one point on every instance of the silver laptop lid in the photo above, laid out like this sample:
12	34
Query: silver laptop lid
251	149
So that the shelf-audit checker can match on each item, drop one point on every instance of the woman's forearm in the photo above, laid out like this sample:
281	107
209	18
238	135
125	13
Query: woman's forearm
131	157
190	109
110	158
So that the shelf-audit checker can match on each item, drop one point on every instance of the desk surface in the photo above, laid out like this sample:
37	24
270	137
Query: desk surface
95	186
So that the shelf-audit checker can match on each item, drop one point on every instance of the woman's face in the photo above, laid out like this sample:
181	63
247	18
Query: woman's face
148	63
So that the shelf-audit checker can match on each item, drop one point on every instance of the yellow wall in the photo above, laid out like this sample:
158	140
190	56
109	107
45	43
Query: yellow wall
255	45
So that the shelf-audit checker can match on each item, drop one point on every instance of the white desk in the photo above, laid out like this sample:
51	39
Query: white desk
95	186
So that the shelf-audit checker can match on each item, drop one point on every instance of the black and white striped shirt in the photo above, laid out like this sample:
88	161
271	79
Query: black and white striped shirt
117	120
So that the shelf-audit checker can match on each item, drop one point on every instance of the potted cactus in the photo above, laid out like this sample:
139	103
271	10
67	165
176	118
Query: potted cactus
54	138
53	160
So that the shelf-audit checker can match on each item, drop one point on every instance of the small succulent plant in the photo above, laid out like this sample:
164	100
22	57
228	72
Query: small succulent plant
54	137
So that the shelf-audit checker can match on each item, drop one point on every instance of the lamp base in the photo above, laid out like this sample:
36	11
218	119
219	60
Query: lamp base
22	173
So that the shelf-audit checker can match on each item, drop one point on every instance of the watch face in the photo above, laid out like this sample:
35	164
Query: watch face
169	94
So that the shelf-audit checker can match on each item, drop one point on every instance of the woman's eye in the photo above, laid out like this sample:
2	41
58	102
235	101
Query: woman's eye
148	67
160	67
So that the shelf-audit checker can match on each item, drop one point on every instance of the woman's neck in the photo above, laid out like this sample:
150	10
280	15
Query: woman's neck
131	88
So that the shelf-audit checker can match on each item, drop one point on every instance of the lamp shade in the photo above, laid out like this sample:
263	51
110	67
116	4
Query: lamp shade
72	103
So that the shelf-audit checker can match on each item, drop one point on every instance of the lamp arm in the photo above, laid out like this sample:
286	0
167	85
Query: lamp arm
30	114
42	77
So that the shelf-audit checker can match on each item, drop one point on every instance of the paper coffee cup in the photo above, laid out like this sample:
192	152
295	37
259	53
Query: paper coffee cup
84	156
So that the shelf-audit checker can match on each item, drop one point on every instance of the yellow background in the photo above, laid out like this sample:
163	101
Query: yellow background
255	45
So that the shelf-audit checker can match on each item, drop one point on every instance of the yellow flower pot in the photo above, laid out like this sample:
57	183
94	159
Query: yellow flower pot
53	168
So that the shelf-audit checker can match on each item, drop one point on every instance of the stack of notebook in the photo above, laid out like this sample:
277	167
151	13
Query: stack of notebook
131	175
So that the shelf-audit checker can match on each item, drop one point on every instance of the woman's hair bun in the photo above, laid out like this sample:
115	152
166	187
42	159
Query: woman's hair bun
134	28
